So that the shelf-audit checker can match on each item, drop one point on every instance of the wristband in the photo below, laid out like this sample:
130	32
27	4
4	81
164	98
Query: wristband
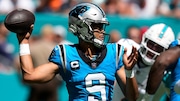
24	49
129	73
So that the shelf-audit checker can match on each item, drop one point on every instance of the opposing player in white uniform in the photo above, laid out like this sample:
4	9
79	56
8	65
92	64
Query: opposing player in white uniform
155	40
168	62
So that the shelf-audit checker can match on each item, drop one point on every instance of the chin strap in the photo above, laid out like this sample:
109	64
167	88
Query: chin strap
98	43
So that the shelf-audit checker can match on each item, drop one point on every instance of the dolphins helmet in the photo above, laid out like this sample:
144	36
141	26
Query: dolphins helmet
154	41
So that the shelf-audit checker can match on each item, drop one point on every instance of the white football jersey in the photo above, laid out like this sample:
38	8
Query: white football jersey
128	43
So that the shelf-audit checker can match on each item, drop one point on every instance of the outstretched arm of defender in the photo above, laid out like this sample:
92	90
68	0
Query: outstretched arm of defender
157	70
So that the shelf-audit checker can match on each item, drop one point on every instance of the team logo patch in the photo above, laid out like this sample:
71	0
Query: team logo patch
74	65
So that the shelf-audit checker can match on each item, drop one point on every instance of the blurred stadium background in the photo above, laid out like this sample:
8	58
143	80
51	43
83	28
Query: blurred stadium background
147	12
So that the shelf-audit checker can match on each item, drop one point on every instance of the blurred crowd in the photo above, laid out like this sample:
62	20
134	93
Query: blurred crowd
129	8
41	47
56	34
53	34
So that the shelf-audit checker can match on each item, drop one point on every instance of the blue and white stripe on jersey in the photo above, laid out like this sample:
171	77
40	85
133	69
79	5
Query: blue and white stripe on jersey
63	57
85	83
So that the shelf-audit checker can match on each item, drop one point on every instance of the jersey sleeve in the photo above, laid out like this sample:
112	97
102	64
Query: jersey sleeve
175	43
55	56
119	51
120	56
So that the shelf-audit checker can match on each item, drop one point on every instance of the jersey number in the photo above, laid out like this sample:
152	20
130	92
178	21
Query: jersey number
98	88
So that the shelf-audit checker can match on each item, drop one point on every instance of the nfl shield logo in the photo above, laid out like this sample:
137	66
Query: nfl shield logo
93	64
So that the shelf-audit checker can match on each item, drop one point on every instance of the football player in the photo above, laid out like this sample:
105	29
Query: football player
154	41
89	67
167	61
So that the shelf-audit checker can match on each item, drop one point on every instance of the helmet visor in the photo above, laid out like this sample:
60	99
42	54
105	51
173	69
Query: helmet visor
99	26
154	46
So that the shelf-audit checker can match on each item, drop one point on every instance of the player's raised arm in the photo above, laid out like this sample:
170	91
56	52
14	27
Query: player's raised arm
129	62
21	21
125	76
165	59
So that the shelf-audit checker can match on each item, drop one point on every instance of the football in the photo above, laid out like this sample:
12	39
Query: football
19	21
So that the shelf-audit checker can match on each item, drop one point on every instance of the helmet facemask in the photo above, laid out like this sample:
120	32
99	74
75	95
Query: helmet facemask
100	29
149	51
154	41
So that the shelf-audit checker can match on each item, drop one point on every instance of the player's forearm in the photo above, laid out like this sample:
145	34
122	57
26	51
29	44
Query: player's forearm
131	89
131	86
26	60
153	83
26	66
155	76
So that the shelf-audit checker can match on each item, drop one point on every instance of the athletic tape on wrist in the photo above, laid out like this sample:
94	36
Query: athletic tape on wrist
24	49
129	73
